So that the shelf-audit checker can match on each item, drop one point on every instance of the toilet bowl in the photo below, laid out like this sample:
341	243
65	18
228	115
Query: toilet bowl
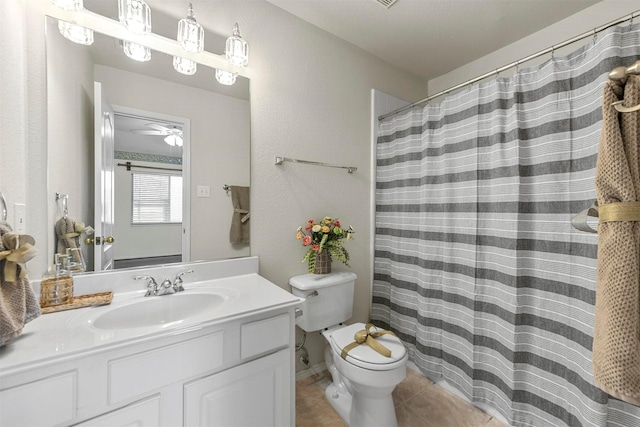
364	379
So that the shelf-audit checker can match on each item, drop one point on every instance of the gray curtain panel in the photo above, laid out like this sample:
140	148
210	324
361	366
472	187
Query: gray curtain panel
477	268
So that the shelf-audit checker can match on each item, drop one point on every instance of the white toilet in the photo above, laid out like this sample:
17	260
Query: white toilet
363	381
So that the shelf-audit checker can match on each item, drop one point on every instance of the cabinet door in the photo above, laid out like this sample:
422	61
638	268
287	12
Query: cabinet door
257	393
145	413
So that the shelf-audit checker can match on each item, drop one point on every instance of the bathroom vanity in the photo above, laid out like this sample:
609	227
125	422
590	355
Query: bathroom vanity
221	353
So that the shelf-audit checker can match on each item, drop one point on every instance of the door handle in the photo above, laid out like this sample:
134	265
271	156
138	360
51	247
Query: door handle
90	241
99	240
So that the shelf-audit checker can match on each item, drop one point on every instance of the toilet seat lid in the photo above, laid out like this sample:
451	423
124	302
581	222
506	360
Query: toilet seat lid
363	355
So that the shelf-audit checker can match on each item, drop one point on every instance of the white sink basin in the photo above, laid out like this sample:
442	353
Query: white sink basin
158	311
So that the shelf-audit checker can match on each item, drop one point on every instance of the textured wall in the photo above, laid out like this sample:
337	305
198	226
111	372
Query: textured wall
310	99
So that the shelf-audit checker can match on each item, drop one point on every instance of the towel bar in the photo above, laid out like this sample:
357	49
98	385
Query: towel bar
280	160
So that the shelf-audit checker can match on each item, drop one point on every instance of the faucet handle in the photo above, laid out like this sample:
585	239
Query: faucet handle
152	286
177	282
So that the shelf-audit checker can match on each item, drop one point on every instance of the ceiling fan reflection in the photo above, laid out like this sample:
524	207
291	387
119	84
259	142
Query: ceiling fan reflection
172	133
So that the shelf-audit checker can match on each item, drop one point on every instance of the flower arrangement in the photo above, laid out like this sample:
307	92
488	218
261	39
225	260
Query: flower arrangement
326	235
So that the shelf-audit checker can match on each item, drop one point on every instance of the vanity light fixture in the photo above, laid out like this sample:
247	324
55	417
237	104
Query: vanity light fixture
136	51
76	33
184	66
73	32
135	15
190	33
72	5
225	77
237	49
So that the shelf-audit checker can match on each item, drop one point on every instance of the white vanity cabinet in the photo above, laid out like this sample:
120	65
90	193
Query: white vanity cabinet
140	414
253	394
236	373
227	359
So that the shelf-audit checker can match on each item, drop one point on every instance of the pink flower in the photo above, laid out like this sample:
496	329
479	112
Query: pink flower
306	241
308	227
336	223
315	248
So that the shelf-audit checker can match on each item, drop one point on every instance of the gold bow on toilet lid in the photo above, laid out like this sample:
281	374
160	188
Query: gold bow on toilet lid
366	336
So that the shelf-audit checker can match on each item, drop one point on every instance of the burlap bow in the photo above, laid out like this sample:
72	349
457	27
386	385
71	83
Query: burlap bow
367	337
79	228
18	250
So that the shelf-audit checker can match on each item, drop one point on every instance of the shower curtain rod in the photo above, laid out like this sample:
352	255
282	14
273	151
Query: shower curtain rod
515	63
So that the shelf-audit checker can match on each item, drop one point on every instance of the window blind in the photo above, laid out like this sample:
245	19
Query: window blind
157	198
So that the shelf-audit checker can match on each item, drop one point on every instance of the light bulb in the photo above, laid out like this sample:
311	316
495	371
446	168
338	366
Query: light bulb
190	33
237	49
135	15
76	33
72	5
136	51
225	77
184	66
173	140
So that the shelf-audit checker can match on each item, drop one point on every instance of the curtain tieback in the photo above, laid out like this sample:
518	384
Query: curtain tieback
20	251
367	337
621	211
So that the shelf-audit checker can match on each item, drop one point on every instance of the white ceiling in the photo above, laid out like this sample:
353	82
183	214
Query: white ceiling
429	38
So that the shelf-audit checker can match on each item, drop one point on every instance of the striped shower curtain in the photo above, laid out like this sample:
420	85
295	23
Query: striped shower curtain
477	267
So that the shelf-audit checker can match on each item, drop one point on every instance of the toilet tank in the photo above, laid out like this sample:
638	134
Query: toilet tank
328	299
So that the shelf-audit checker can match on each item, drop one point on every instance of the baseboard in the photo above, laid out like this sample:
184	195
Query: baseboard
315	369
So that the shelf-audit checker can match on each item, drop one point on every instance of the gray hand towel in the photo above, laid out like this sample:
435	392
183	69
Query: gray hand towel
239	232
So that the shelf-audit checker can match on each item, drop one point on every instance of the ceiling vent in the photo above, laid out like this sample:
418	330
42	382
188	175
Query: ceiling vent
386	3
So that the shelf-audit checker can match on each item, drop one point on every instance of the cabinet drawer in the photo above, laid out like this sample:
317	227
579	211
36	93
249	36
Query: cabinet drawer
47	402
144	372
264	335
140	414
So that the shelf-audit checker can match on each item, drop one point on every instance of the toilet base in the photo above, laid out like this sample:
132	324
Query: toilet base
359	405
340	401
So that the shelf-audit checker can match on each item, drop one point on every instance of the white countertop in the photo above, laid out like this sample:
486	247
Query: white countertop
71	332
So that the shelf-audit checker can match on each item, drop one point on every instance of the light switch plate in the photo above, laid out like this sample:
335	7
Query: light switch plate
203	191
20	217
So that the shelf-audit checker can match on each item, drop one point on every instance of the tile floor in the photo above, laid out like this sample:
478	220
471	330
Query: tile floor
418	401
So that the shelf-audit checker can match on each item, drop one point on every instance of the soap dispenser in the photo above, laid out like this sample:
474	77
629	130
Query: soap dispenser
56	286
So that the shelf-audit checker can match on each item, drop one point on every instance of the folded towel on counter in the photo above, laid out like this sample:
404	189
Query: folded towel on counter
18	304
239	232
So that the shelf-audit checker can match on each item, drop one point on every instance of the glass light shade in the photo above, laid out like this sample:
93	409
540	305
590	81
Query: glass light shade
225	77
135	15
237	49
190	33
184	66
136	51
76	33
173	140
72	5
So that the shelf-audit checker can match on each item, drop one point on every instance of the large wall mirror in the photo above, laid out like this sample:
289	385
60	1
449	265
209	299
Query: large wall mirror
182	139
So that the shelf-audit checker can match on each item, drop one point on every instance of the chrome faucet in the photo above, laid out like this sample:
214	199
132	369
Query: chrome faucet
165	288
177	282
152	286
